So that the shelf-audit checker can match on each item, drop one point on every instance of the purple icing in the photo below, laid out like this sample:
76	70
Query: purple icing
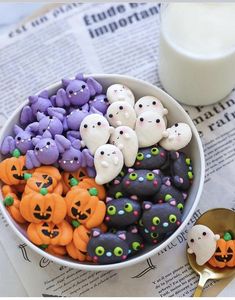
40	103
100	103
74	119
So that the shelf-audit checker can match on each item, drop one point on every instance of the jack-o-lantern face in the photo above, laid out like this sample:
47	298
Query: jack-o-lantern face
86	209
38	207
48	233
12	170
46	177
224	254
80	174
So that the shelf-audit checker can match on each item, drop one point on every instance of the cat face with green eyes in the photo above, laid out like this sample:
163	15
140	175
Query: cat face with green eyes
134	240
150	237
122	212
142	182
151	158
107	248
160	218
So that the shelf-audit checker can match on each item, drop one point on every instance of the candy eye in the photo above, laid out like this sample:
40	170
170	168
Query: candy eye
98	123
141	119
140	156
102	152
150	176
85	126
118	195
154	151
154	102
154	235
140	105
180	206
135	246
118	251
192	240
133	176
110	115
18	138
156	220
111	210
176	124
99	250
83	86
121	107
106	100
172	218
121	132
204	233
158	121
128	207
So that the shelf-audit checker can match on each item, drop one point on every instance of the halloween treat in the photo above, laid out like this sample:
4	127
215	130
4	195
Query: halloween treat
150	128
56	250
43	206
126	140
85	208
74	119
134	240
48	233
151	158
181	170
150	103
160	218
142	183
108	161
224	255
115	187
179	136
122	212
81	237
76	253
107	248
92	187
150	237
121	113
67	176
202	242
119	92
95	131
100	103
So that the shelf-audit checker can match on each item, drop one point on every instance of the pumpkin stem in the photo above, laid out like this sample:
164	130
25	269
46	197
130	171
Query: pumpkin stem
8	201
227	236
43	246
16	153
93	191
73	181
43	191
75	223
27	176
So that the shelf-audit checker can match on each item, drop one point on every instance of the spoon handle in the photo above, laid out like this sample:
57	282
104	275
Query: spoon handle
202	281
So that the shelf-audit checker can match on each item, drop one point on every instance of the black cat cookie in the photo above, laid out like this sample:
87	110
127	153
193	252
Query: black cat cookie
134	240
150	237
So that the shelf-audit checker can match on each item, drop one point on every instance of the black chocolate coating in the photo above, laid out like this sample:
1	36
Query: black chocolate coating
149	237
134	240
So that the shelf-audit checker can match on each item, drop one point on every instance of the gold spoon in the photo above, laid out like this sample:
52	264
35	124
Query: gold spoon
219	220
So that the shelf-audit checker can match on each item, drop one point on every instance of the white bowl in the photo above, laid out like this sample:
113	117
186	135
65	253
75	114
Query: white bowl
194	149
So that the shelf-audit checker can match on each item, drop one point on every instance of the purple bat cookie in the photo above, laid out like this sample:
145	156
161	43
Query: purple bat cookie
74	119
22	141
100	103
77	91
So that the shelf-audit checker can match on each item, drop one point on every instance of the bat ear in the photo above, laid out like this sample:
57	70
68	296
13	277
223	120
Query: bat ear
147	205
122	235
47	134
65	82
40	116
95	232
17	129
79	76
35	141
57	112
44	94
94	86
33	99
76	144
62	143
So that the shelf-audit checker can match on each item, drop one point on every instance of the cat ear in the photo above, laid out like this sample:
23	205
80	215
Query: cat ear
130	170
108	199
166	181
156	171
95	232
17	129
133	229
147	205
122	235
174	155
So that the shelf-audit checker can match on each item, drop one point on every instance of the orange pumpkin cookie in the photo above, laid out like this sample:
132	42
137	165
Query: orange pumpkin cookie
89	183
76	253
48	233
43	206
67	176
56	250
12	203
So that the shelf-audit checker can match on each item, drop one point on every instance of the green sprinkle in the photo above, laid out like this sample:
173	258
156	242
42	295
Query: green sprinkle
227	236
43	191
16	153
75	223
190	175
188	161
73	181
168	197
27	176
8	201
43	246
93	191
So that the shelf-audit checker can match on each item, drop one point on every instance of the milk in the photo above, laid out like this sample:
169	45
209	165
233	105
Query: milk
197	51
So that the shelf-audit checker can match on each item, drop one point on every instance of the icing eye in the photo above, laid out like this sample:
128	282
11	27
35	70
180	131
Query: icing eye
111	210
140	156
158	121
176	125
192	240
83	86
48	143
204	233
110	115
106	100
118	195
118	251
140	105
99	250
156	220
154	151
50	117
121	107
102	152
43	130
128	207
172	218
150	176
70	92
98	123
141	222
180	206
135	246
154	235
85	126
18	138
133	176
121	132
75	158
37	148
141	119
154	102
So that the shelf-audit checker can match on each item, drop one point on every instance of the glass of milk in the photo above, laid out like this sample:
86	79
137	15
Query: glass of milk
197	51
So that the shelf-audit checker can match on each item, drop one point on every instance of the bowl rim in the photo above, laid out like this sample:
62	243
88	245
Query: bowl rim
150	253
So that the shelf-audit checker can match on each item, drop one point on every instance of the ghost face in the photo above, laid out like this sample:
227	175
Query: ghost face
179	135
150	128
121	113
78	92
149	103
119	92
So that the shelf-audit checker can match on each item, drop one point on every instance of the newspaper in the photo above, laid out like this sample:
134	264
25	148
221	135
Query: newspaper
109	38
